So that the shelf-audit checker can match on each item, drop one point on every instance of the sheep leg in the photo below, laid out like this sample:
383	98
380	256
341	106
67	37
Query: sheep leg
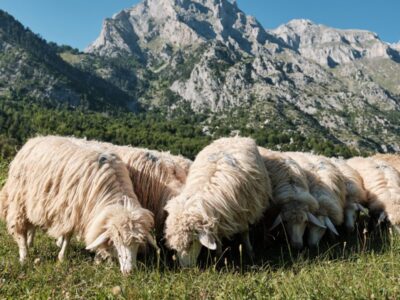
60	241
247	245
219	249
64	246
31	236
22	245
17	226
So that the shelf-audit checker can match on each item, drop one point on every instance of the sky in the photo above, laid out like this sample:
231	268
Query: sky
78	22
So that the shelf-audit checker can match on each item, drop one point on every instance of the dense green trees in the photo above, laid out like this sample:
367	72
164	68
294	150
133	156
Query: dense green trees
180	133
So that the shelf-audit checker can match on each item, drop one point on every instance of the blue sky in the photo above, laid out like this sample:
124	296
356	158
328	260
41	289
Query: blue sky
78	22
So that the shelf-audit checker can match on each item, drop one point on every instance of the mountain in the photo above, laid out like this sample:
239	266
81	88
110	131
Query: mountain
300	84
32	71
340	85
331	47
162	26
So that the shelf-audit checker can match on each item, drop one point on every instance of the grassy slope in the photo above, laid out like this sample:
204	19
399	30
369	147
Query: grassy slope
363	268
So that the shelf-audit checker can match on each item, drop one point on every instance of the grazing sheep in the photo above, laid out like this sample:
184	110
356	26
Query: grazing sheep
227	189
382	183
290	195
70	190
327	185
355	193
156	176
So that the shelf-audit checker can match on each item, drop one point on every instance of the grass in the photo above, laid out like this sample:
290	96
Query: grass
363	267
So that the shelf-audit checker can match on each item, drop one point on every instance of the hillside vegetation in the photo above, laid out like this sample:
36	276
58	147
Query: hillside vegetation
181	133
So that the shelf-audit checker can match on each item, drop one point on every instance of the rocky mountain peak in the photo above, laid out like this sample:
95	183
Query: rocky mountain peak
330	46
300	24
212	56
144	29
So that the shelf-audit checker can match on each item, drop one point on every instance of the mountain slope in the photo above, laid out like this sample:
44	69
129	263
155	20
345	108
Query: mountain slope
209	58
160	26
209	54
331	47
31	70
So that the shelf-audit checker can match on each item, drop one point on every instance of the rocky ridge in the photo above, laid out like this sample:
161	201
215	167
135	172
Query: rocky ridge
324	76
331	47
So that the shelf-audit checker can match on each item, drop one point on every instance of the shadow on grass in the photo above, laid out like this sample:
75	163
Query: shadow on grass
271	253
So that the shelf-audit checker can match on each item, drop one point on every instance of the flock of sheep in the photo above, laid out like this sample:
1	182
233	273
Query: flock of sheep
116	199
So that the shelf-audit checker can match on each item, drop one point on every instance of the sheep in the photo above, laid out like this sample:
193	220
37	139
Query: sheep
290	195
69	190
227	189
382	183
327	185
156	176
355	193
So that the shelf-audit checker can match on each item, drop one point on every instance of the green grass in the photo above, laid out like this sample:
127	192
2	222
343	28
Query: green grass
367	267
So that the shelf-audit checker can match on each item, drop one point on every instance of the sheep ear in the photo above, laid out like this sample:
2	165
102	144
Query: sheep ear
97	242
330	225
361	208
152	241
277	221
314	220
207	240
382	218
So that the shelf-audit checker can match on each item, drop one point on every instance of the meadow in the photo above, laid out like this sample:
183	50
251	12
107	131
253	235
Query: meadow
363	266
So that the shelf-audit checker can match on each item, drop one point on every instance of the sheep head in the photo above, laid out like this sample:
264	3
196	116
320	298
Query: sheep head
186	231
316	233
351	213
295	217
122	232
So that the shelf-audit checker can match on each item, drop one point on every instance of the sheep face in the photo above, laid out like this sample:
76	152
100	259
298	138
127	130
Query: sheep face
296	217
350	216
124	231
188	257
295	222
315	233
186	232
187	238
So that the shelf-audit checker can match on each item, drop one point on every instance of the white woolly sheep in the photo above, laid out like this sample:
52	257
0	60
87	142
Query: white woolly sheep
355	193
290	194
156	176
227	189
66	189
382	183
327	185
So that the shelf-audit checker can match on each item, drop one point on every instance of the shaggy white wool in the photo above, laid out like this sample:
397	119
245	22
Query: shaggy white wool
355	191
289	182
67	189
392	159
382	183
227	189
326	184
156	176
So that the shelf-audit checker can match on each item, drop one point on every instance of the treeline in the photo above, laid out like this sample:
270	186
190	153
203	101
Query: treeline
183	132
